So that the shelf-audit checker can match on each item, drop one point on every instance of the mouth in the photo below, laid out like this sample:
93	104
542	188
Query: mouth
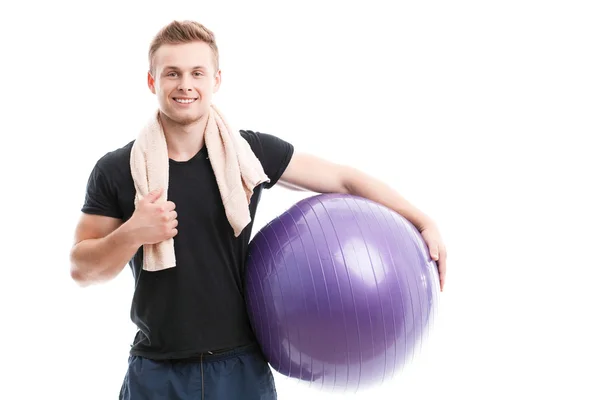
185	100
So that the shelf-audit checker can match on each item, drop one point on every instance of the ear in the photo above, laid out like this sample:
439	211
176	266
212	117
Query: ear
217	81
151	83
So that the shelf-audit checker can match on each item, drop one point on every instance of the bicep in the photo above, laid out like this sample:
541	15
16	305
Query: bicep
101	211
316	174
95	227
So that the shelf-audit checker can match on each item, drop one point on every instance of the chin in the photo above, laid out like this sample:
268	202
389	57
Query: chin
185	118
188	120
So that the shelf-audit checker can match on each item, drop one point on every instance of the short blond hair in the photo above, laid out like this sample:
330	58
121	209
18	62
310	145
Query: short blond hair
181	32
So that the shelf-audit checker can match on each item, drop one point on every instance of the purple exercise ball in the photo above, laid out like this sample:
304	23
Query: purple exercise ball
341	292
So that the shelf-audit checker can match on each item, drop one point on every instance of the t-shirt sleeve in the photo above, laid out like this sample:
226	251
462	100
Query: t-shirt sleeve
101	195
273	152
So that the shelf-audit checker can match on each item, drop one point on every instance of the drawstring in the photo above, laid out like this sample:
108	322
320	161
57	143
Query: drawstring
202	374
202	371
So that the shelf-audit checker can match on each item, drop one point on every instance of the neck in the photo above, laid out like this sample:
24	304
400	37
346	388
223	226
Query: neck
184	141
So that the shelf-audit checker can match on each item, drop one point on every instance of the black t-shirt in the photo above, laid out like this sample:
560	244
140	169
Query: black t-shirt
198	305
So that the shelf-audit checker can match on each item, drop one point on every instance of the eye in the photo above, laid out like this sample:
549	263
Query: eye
198	73
172	74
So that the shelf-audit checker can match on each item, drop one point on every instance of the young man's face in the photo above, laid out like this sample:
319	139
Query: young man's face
184	81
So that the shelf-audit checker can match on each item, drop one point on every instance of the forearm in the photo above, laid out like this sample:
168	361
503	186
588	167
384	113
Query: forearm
99	260
360	184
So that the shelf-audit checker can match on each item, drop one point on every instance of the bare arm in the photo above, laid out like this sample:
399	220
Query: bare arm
103	247
309	172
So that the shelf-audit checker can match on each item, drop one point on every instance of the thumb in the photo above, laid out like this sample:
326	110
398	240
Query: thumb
153	195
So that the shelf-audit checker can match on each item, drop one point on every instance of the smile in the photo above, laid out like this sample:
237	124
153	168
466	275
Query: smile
183	100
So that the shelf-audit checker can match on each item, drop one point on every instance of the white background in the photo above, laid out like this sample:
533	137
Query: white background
483	114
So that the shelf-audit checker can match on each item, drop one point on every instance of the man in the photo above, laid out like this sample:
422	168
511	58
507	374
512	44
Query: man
194	338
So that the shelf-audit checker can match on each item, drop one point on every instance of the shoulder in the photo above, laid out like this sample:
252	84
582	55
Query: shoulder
273	152
252	137
266	144
115	161
109	177
112	171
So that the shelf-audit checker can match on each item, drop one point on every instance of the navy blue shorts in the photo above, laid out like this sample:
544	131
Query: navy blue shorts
240	373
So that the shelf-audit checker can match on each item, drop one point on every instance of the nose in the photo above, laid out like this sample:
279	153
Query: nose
185	85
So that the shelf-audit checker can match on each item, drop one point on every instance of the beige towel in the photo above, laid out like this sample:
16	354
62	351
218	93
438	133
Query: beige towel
236	168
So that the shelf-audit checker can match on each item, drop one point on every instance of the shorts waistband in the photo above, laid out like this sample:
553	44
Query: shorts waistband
223	354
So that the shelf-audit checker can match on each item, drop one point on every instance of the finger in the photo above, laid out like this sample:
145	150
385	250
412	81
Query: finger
174	223
442	269
154	195
171	216
434	251
169	206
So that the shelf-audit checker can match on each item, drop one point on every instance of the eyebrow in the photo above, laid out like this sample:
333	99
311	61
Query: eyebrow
172	67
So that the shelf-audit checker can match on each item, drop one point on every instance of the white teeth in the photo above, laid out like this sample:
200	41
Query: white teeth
185	101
